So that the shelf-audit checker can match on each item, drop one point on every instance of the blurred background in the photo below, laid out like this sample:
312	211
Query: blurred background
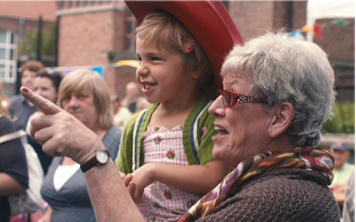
66	35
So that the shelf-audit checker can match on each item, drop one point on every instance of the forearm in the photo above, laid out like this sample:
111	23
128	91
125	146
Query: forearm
193	178
109	196
47	215
9	185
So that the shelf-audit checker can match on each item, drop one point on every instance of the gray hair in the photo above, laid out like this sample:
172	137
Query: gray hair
286	69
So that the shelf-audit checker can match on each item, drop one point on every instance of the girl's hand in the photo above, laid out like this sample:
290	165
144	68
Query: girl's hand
142	177
126	178
127	181
60	133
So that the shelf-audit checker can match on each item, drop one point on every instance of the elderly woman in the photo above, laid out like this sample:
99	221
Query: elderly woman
83	94
277	93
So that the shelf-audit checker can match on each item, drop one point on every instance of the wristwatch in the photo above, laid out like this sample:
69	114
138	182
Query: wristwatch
100	157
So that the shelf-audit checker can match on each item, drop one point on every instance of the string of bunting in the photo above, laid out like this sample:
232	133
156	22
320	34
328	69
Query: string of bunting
316	30
96	68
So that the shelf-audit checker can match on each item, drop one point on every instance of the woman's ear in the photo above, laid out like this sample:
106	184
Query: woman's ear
281	120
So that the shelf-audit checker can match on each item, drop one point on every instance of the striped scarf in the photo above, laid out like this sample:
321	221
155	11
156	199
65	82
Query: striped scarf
318	159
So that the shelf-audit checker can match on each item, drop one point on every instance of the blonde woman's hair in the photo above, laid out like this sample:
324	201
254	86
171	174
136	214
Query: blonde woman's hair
80	79
168	33
4	103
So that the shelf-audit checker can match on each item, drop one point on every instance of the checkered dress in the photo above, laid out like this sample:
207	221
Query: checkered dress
160	201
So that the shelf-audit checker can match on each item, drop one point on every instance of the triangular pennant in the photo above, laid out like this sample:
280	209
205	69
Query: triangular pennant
317	32
296	34
337	22
307	29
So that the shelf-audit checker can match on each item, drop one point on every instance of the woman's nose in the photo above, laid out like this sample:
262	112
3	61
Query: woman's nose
73	102
217	108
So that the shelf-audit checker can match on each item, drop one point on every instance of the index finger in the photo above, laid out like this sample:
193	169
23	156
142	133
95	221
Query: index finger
42	104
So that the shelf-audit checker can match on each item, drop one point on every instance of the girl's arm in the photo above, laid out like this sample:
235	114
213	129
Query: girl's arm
193	178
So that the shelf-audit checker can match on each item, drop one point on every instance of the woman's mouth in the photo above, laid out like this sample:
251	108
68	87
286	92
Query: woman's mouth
221	130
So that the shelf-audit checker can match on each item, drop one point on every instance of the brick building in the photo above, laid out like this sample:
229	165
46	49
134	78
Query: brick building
93	33
97	33
253	18
101	32
17	19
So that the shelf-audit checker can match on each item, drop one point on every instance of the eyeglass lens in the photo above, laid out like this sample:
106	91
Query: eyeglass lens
227	98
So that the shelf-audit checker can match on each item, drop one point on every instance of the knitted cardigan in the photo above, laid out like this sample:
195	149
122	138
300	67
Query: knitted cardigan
197	132
280	195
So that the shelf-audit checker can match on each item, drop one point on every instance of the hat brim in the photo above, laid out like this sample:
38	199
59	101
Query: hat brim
208	21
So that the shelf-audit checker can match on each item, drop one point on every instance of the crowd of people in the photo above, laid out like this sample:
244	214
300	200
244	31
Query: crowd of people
169	150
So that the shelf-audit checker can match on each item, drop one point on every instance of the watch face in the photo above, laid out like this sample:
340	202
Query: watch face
102	156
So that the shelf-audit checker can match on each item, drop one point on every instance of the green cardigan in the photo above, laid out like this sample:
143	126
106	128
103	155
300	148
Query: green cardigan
197	145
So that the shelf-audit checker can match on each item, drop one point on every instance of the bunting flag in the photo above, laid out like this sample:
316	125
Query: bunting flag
307	29
296	34
95	68
98	69
340	22
316	30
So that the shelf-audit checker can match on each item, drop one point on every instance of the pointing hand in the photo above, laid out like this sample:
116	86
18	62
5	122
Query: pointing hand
60	133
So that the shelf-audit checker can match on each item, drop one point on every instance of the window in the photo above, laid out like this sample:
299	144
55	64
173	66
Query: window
7	54
60	5
130	35
128	27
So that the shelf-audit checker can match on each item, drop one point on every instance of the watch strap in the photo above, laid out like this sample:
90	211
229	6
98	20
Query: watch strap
93	162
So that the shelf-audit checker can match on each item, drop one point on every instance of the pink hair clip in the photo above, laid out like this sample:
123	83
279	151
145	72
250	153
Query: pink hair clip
190	46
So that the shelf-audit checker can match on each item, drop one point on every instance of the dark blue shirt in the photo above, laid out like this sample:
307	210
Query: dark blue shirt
12	162
20	109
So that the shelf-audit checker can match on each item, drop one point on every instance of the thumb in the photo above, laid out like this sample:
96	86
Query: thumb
42	104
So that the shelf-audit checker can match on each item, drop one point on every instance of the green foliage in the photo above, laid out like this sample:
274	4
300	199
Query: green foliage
48	43
343	120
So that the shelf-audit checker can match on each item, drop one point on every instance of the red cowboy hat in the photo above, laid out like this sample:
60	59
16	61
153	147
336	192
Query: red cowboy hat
208	21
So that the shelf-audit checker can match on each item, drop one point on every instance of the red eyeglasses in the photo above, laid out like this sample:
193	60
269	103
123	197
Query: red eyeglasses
230	98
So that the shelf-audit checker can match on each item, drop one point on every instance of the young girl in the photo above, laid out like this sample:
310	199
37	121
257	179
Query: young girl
168	148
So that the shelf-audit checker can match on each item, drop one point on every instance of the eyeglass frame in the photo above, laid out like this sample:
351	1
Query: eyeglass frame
239	98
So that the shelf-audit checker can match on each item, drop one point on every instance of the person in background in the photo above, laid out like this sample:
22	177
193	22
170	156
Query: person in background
348	213
20	109
46	85
84	95
133	99
121	113
13	165
342	169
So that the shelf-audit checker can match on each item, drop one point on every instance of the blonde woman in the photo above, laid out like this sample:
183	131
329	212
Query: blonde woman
83	94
